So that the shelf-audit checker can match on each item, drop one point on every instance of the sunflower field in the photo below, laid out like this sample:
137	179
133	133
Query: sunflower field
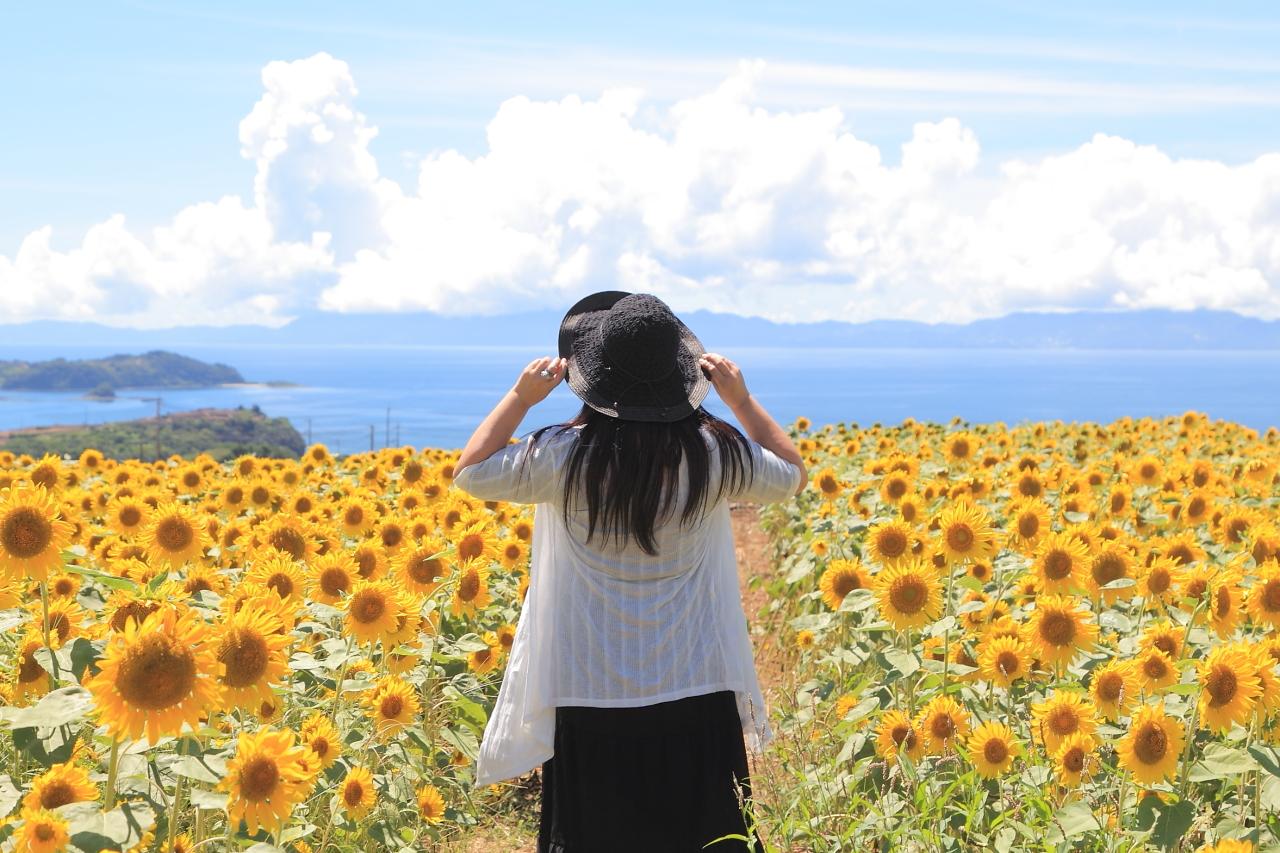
1046	637
265	654
1051	636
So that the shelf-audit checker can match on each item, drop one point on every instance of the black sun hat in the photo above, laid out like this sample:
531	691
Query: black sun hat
631	358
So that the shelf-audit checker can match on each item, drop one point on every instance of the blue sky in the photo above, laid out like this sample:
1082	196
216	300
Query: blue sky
133	108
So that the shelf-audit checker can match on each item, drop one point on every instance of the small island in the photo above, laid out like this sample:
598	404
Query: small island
102	377
222	433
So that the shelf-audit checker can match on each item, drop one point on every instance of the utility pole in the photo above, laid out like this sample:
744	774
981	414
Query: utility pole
308	431
370	438
386	434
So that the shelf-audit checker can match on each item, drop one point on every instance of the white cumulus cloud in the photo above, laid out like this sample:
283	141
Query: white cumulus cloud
712	202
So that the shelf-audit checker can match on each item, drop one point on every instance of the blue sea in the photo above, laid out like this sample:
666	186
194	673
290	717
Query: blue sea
435	396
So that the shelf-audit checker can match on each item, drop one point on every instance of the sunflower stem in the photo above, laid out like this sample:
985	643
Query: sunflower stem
113	764
53	656
1186	752
175	811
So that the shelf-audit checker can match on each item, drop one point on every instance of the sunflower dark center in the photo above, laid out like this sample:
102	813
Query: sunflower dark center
390	707
244	653
1221	685
960	537
942	726
995	751
1073	759
469	586
426	569
157	674
334	581
258	779
25	533
368	607
130	516
1151	744
288	541
1107	568
1057	628
892	543
471	546
174	534
907	595
1057	565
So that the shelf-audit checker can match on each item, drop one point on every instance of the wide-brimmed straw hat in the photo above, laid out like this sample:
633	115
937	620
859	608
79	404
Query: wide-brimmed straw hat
631	358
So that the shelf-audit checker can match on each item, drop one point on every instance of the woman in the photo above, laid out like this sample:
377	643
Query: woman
631	679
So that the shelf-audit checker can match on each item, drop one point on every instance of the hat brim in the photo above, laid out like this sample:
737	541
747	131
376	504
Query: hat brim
580	342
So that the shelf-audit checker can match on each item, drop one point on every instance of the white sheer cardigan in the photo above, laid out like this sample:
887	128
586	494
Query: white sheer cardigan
608	627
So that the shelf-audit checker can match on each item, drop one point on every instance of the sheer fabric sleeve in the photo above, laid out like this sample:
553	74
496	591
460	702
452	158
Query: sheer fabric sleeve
525	472
771	478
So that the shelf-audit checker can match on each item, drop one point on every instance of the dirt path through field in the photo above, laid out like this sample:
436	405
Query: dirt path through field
773	664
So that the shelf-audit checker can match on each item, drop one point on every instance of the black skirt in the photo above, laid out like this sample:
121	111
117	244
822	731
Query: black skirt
650	778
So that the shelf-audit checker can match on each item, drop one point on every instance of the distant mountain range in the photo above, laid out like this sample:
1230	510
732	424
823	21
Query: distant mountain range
1148	329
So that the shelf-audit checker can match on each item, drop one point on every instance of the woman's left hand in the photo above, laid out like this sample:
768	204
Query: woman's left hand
532	387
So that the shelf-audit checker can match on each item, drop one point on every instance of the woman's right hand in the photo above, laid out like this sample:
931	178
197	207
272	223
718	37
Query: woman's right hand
726	377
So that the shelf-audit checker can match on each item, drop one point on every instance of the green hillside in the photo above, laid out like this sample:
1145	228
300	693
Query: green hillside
155	369
223	433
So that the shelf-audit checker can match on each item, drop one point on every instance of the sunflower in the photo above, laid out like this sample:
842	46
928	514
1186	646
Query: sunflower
279	573
942	722
1152	746
485	660
392	704
58	786
1060	563
471	593
42	831
371	611
1229	687
356	793
910	594
513	553
333	576
65	617
289	534
128	515
1164	636
251	648
474	543
966	533
960	448
1120	500
422	567
1074	761
1268	682
828	484
356	516
267	777
1113	688
841	578
370	562
1264	596
1161	580
1155	670
1057	631
1225	611
30	678
320	736
992	748
156	677
1066	712
1184	548
391	534
894	486
889	543
1111	563
430	804
1003	660
1028	523
32	533
896	733
506	636
173	537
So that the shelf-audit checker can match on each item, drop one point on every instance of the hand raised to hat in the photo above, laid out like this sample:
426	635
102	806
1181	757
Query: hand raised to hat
536	381
726	378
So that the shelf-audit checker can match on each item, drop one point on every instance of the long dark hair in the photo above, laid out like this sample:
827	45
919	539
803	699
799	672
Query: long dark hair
629	470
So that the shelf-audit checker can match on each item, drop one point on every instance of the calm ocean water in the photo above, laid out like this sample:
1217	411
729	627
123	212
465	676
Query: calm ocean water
436	395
